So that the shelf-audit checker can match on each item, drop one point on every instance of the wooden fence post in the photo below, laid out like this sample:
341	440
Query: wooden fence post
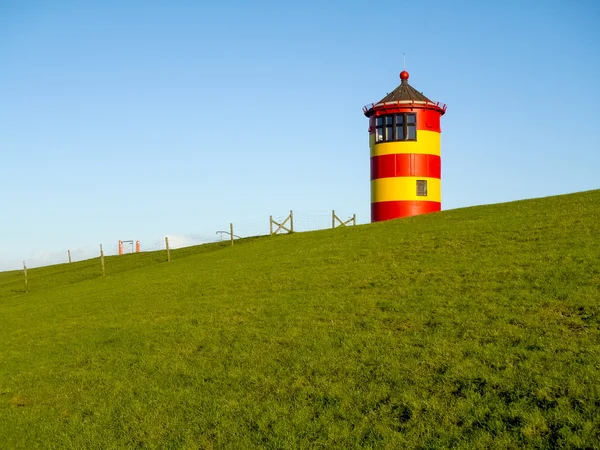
168	251
282	225
69	252
231	233
342	223
25	273
102	261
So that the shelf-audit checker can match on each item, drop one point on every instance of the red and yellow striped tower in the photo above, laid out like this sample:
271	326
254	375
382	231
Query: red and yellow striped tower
404	137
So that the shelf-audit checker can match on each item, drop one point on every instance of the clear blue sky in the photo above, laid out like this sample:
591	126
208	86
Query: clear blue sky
136	119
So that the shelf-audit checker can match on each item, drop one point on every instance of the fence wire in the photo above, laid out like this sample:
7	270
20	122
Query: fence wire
303	221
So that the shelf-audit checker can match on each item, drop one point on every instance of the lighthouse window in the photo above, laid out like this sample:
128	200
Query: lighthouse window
411	127
389	128
400	127
379	129
396	127
422	188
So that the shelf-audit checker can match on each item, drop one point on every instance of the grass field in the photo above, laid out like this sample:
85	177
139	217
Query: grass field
471	328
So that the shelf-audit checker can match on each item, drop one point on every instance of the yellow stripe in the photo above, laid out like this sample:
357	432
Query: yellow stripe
404	188
427	143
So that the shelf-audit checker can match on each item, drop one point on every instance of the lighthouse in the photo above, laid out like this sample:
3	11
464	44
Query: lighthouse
404	139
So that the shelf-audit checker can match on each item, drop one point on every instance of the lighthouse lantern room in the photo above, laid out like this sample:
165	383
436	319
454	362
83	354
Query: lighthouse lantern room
404	138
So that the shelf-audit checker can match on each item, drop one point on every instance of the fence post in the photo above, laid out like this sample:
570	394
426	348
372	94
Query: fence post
102	261
231	233
25	273
69	252
168	251
271	225
341	223
291	221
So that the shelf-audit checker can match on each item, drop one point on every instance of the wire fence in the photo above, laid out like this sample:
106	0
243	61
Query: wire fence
302	221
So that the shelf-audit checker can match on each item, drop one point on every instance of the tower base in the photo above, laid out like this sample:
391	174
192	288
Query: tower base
394	210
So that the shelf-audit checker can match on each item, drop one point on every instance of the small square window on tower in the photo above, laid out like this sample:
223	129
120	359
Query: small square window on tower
421	188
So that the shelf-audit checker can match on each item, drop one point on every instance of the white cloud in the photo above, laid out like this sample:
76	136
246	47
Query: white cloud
189	240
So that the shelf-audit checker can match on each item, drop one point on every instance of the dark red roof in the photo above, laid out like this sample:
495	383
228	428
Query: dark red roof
404	92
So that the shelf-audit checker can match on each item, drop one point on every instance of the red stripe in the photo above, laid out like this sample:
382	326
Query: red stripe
394	210
406	165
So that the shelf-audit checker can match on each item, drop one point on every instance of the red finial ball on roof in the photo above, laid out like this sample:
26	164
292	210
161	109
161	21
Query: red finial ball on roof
404	75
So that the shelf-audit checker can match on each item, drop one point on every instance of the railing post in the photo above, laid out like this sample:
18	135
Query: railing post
25	273
102	261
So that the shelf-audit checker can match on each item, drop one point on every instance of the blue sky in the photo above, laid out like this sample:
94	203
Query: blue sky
136	120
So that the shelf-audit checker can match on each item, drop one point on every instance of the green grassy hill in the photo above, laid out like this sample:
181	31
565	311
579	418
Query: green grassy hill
471	328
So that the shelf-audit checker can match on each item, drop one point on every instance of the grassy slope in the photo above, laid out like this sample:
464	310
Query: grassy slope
470	328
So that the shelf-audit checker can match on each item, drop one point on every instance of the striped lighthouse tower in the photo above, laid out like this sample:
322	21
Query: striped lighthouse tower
404	138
